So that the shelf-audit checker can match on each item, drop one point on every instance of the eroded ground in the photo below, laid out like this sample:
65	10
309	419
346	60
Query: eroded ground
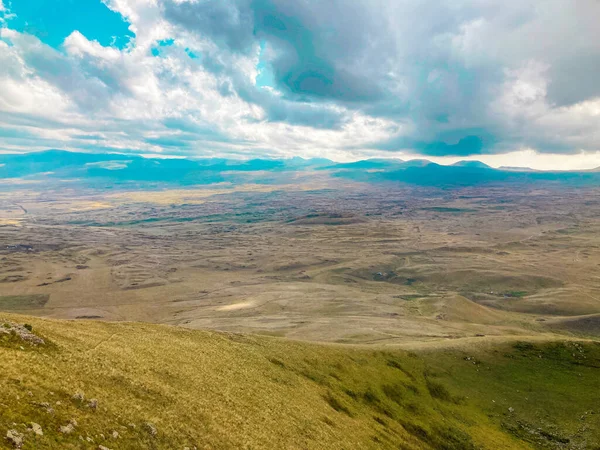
328	261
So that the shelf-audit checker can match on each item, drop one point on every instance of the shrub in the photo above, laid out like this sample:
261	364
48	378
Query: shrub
437	390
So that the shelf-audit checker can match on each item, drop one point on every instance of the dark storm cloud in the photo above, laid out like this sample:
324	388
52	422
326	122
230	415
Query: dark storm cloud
438	64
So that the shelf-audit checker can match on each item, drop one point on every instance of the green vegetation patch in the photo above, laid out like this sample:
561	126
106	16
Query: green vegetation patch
443	209
544	394
517	294
23	302
410	297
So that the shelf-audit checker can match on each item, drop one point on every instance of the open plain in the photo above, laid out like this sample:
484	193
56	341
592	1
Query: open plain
325	259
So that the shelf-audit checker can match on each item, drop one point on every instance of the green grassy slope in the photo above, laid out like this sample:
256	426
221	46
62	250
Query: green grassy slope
214	390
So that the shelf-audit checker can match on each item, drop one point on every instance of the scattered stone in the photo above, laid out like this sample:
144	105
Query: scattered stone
36	428
115	435
15	438
131	425
69	428
102	447
78	397
26	335
93	404
511	410
46	406
150	428
89	439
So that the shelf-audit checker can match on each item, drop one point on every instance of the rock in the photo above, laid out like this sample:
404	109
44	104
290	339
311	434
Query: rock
150	428
36	428
15	438
24	333
131	425
93	404
69	428
102	447
78	397
511	410
115	435
46	406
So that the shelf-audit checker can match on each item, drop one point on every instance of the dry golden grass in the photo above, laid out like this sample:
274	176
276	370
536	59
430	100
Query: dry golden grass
199	196
10	222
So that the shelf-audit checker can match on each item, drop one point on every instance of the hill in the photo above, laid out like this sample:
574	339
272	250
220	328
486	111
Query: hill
109	170
477	164
367	164
127	385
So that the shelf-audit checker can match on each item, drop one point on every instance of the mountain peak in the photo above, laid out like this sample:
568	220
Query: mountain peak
472	164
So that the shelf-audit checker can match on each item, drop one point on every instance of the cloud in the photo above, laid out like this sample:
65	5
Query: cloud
335	79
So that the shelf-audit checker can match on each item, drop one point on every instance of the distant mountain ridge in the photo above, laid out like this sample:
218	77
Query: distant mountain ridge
120	168
477	164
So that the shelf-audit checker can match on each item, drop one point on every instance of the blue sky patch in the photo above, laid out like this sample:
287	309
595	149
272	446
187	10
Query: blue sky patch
53	21
265	75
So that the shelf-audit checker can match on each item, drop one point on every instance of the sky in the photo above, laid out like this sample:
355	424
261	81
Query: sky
511	83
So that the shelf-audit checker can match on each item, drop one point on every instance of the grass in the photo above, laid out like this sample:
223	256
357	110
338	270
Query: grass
22	302
449	210
545	395
517	294
221	390
410	297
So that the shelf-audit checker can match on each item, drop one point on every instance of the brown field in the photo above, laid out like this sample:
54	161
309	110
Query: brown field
350	263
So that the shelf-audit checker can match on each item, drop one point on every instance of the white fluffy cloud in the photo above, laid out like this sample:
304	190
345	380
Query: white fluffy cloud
348	80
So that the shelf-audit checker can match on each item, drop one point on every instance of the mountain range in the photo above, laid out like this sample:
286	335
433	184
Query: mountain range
119	168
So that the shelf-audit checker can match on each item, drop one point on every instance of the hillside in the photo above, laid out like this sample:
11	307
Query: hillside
129	385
